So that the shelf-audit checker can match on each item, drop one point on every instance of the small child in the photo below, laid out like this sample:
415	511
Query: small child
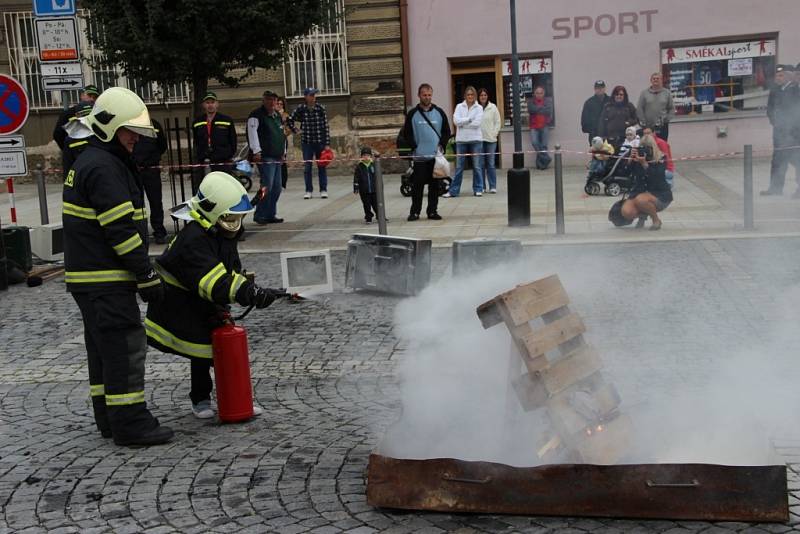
364	184
601	151
631	139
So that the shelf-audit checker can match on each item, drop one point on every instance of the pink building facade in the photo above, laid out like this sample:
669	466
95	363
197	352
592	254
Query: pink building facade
717	56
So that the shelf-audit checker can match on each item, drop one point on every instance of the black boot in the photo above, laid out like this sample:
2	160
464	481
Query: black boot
156	436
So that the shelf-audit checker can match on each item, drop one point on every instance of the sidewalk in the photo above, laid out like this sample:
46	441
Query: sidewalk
708	204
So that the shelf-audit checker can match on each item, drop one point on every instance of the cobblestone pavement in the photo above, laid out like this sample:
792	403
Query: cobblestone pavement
325	371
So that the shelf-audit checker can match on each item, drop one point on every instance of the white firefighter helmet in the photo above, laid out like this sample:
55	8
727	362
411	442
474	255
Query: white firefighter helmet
221	199
117	108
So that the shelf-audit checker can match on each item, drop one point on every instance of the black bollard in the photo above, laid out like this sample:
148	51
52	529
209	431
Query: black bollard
381	215
519	195
559	172
748	188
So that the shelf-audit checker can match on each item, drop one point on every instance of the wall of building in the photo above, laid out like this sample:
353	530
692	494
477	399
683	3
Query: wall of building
442	32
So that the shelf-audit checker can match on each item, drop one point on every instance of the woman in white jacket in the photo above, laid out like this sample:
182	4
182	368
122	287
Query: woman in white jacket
490	128
469	140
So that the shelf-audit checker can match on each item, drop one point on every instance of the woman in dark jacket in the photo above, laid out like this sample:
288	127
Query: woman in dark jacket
651	192
617	115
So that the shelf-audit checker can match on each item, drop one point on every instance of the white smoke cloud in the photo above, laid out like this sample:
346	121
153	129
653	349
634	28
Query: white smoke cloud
712	396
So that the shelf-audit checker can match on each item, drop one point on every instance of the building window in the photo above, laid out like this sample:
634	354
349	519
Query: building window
721	76
319	59
25	67
533	72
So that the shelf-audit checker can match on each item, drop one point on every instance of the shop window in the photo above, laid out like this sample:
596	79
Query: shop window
726	76
533	72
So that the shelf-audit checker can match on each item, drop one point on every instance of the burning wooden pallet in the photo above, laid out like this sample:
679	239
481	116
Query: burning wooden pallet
563	372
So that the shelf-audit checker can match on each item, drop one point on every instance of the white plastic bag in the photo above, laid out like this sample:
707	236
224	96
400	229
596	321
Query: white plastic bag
441	167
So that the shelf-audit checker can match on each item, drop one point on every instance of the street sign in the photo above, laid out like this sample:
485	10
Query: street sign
13	163
53	8
12	141
13	105
57	38
59	83
70	68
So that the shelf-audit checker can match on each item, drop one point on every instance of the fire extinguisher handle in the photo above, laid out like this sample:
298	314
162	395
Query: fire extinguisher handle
243	315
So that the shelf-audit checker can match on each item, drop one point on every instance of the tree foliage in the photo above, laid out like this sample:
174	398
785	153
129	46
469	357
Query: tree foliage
176	41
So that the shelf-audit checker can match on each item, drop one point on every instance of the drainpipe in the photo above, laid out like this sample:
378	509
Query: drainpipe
405	50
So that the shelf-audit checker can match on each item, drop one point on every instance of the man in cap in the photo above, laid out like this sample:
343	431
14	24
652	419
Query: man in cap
781	104
70	148
267	143
592	108
315	137
106	263
214	138
147	155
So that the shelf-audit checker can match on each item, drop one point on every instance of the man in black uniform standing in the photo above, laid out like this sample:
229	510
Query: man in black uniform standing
147	155
780	110
70	148
106	262
214	139
593	108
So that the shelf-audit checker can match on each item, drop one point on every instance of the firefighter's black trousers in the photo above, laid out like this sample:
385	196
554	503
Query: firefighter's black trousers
116	346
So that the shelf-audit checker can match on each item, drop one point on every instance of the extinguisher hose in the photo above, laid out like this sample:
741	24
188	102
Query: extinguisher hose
243	315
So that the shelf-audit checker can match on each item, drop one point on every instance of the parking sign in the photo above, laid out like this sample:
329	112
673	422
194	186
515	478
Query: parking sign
53	8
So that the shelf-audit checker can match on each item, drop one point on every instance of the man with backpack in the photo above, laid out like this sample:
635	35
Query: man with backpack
425	131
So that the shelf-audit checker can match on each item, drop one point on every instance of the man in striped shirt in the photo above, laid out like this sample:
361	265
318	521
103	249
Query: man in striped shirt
315	137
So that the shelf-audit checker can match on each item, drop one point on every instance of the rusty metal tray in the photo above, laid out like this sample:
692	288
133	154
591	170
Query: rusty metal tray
651	491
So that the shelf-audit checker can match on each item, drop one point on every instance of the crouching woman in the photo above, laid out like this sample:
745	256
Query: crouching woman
650	194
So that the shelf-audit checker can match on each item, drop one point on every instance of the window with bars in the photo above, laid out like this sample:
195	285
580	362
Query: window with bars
25	67
319	59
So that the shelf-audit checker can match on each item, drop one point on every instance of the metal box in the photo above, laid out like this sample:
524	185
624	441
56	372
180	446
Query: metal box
307	272
472	255
400	265
47	241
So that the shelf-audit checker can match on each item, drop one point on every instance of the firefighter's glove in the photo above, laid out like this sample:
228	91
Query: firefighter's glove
252	295
150	287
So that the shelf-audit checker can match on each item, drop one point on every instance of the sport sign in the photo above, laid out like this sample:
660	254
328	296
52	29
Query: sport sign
13	105
57	38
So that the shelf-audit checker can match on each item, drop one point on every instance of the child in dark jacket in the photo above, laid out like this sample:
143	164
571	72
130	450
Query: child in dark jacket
364	184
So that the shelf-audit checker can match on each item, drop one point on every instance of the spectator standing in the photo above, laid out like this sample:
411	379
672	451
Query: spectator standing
425	131
315	137
617	116
781	106
214	139
280	106
468	117
796	132
540	111
593	108
268	145
655	108
147	155
490	128
666	150
364	184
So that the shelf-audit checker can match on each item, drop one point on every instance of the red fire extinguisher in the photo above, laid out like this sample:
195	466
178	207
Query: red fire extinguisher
232	371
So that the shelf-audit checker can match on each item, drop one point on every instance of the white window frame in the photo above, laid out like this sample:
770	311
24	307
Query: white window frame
319	59
25	66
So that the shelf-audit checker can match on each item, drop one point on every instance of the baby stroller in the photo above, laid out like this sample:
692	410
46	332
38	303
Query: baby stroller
405	182
242	169
615	176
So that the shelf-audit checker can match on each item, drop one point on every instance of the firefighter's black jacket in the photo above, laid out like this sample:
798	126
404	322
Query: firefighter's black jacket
148	150
202	271
105	222
81	109
222	147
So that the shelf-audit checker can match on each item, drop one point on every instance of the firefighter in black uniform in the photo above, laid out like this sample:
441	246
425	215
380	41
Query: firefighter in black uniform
106	262
70	148
147	154
214	139
203	276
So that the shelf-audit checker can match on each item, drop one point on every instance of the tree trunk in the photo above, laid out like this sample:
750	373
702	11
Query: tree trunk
200	87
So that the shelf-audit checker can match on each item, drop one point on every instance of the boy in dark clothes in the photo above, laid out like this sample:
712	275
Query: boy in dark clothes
364	184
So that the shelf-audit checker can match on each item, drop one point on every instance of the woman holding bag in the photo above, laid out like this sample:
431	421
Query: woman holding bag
490	128
469	140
